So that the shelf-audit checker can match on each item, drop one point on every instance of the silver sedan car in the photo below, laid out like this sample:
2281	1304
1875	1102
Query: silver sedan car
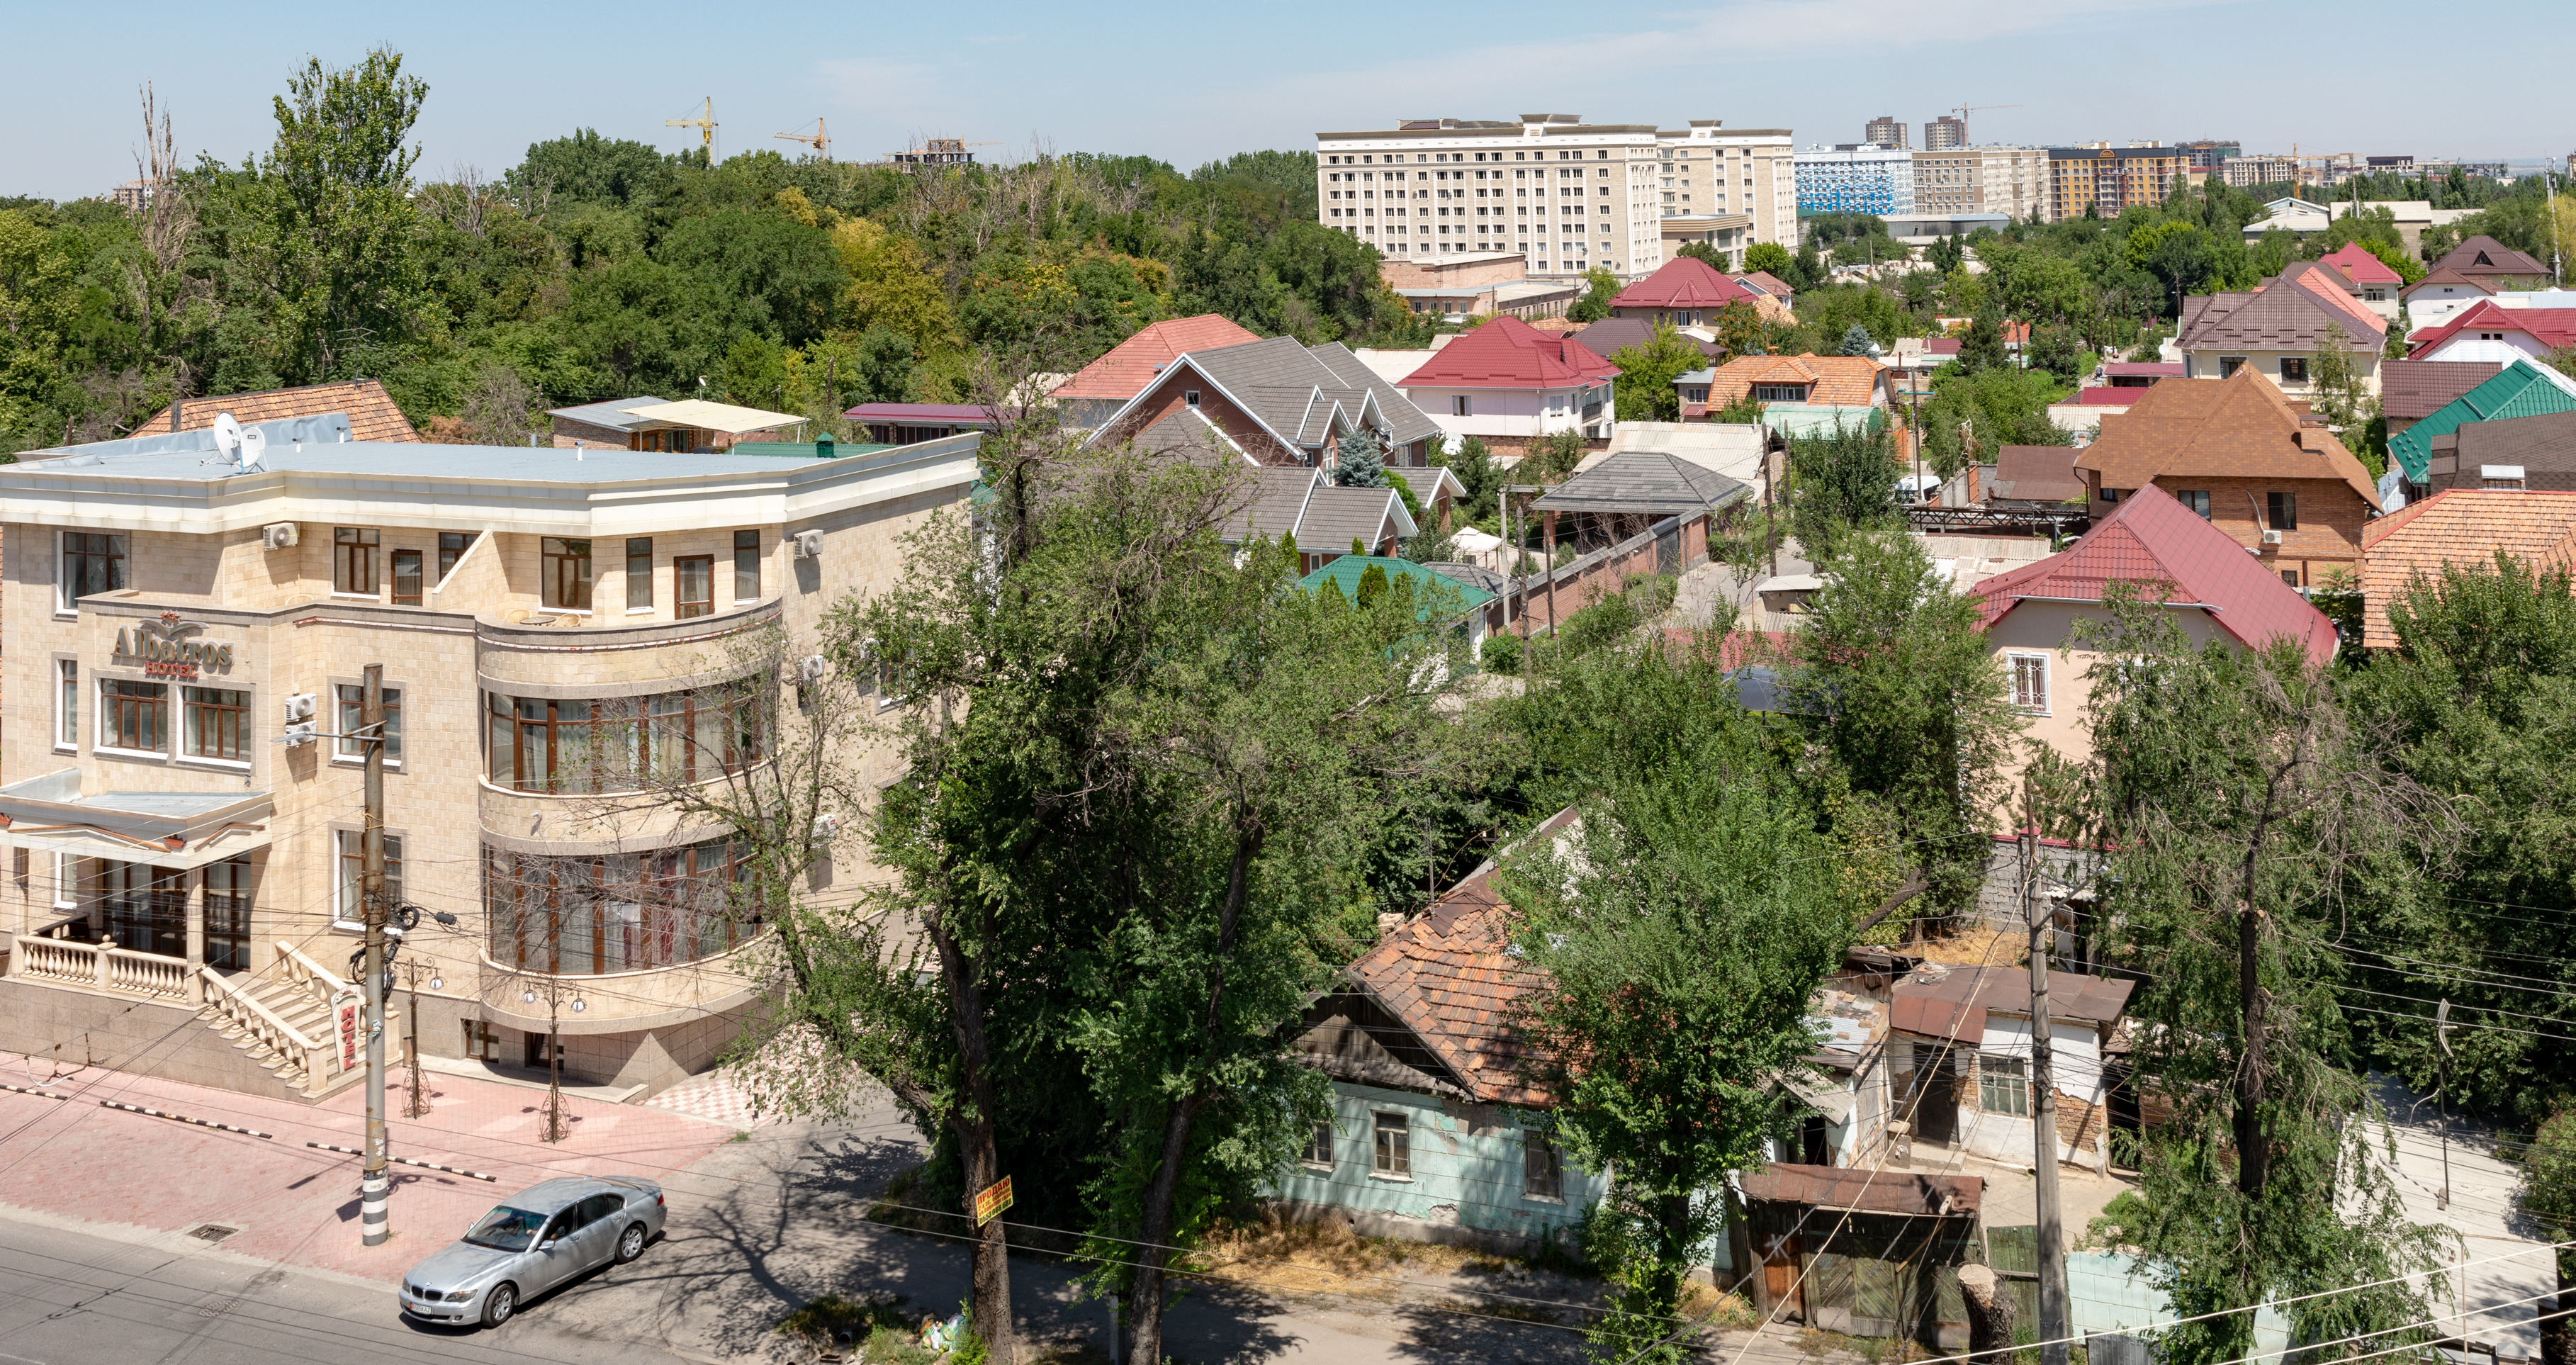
547	1234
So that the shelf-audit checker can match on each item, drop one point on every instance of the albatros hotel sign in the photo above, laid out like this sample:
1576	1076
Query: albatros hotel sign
166	649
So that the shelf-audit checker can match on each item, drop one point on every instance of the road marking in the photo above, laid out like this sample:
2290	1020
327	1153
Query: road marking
42	1094
182	1118
424	1165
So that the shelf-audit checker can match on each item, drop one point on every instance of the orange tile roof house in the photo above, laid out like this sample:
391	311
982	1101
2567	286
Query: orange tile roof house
2253	462
372	414
1099	389
2462	526
1418	1040
1846	381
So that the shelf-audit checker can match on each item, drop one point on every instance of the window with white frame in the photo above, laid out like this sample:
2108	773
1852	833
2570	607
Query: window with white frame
2003	1085
66	704
1391	1152
349	906
1460	405
2030	683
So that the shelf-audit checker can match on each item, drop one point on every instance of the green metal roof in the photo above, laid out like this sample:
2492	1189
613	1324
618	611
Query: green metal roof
806	450
2521	390
1344	573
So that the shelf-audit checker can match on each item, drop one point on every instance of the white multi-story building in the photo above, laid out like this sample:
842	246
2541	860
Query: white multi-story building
1856	177
1980	180
1569	195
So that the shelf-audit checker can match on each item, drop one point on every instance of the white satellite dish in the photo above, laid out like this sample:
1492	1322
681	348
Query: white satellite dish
254	444
228	433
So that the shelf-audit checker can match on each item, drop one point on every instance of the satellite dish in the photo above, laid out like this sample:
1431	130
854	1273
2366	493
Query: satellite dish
254	444
228	433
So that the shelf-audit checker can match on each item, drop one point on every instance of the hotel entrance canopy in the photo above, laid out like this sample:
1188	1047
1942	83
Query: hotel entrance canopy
176	830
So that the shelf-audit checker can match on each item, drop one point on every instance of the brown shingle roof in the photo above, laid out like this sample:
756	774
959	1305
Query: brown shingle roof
2284	314
372	414
2225	428
2036	474
2544	446
2483	257
2463	526
2417	389
1836	380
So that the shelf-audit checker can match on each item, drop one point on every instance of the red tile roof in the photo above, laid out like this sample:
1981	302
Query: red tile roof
2153	369
1133	363
2551	327
2360	266
1682	282
1767	282
1508	353
2330	288
1445	975
1941	345
2463	526
2150	538
372	414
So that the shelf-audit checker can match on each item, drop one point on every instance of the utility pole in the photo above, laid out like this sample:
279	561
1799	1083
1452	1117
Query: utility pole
2043	1084
372	1222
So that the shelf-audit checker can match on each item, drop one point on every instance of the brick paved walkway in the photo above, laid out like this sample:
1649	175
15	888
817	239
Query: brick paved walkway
714	1097
290	1202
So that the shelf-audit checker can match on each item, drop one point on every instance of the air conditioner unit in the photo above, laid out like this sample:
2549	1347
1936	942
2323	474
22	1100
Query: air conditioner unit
825	826
809	545
300	707
298	734
812	668
277	535
2271	537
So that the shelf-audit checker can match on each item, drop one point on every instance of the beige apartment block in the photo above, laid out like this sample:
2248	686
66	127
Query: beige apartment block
1957	180
1570	196
550	623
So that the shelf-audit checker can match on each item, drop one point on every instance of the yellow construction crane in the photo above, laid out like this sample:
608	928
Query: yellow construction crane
1966	109
705	123
2299	165
820	139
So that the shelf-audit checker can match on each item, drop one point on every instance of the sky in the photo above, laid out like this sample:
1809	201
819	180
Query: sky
1189	83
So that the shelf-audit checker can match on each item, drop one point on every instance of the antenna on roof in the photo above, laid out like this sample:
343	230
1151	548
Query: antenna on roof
254	444
228	433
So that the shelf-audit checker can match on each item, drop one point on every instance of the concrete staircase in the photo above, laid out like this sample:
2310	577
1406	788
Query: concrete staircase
283	1022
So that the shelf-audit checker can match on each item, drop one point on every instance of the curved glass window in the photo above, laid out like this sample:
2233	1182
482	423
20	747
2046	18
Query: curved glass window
585	914
623	744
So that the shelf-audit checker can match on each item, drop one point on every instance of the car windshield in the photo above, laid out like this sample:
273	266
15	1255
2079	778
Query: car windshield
506	1229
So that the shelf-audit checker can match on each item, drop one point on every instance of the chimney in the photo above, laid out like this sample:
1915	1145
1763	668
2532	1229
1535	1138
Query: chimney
175	405
2505	477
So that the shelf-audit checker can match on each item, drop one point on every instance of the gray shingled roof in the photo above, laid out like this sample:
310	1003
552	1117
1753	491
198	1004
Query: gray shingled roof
1277	502
1406	422
2283	317
1336	515
1644	481
1190	435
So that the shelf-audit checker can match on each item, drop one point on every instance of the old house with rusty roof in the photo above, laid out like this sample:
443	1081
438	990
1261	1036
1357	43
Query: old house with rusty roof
2034	476
1424	1142
2245	456
1960	1049
1872	1253
2466	527
2279	327
370	410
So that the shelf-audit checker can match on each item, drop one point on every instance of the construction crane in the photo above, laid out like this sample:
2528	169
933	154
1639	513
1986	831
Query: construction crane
1966	109
2299	165
705	123
820	139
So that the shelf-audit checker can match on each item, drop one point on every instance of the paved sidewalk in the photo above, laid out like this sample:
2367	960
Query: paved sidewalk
288	1202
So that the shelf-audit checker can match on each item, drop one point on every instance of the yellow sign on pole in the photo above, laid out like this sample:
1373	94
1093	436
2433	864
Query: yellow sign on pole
990	1203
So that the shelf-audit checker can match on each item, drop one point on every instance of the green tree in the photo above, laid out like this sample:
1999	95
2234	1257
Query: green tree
1771	259
1600	286
334	194
1856	341
1644	389
1806	269
1361	463
2246	818
2549	1195
883	369
1841	481
1481	480
1739	329
1673	947
1892	676
1982	349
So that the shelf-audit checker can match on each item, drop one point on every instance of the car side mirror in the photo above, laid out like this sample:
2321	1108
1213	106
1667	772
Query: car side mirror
546	1245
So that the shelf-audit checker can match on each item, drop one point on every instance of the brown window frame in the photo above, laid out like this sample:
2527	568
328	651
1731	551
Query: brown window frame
88	555
636	559
127	707
452	546
576	746
351	846
2280	510
564	571
227	720
350	701
353	558
746	564
684	607
669	906
412	575
232	888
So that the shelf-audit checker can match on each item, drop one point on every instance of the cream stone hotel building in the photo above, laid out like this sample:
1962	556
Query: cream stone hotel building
185	636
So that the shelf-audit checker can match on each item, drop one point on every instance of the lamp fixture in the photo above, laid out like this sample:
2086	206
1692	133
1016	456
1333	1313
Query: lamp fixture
527	997
438	983
579	1005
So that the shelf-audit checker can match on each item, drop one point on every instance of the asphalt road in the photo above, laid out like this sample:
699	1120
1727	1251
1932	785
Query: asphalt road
70	1297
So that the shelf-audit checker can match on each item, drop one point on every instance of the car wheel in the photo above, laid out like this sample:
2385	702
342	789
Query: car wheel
500	1304
630	1244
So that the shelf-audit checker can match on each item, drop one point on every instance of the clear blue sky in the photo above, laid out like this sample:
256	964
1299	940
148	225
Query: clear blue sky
1190	82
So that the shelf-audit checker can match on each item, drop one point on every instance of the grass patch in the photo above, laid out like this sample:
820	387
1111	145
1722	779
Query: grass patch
871	1330
1724	1311
1286	1256
740	1135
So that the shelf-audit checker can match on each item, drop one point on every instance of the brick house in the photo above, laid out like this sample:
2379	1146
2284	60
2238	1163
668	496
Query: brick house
1096	392
2254	463
1280	402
